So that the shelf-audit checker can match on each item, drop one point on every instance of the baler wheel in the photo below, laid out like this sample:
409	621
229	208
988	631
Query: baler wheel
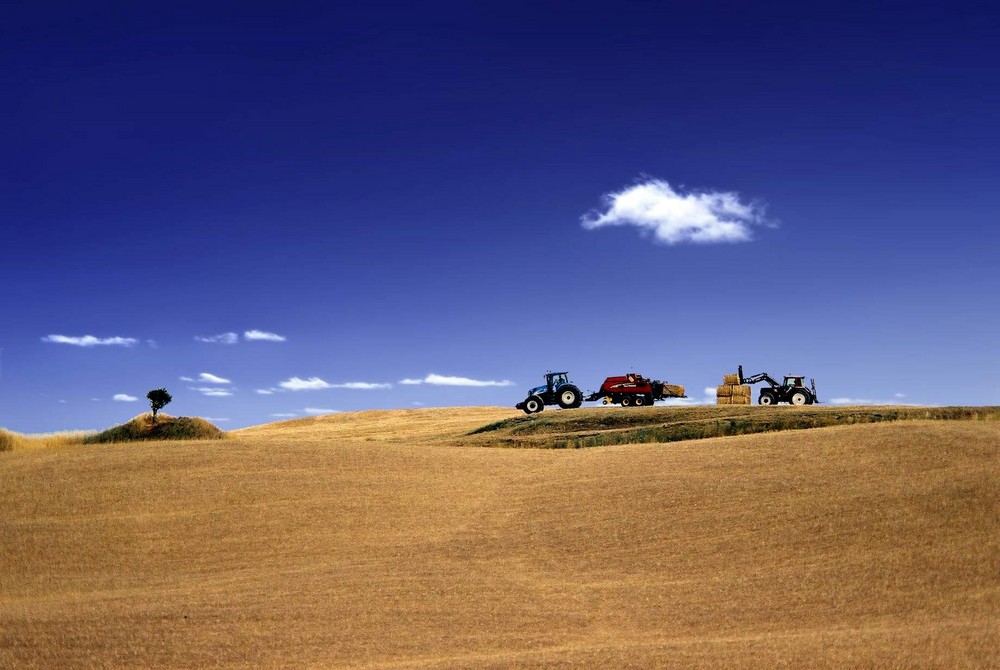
640	401
626	401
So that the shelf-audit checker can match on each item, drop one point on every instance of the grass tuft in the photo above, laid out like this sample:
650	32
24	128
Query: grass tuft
166	428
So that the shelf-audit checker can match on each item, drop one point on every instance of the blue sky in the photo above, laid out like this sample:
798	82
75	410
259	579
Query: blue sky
485	191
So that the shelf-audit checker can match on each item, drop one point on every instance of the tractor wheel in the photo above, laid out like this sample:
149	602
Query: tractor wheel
799	398
533	404
570	397
626	401
766	398
640	400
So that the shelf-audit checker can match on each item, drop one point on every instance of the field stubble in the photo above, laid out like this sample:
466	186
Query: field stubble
354	541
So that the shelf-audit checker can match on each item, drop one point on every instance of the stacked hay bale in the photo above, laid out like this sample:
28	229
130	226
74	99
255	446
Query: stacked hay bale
732	392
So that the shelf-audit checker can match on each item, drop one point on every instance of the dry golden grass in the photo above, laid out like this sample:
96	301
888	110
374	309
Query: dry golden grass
299	544
9	440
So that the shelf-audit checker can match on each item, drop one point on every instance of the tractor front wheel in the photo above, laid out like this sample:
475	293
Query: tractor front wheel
533	404
766	398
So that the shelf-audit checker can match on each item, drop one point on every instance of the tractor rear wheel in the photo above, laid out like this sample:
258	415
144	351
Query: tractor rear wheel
766	398
533	404
570	397
626	401
799	398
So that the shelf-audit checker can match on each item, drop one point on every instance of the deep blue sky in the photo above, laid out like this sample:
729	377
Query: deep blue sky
397	190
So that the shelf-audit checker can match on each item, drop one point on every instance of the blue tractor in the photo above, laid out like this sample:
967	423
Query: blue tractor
558	390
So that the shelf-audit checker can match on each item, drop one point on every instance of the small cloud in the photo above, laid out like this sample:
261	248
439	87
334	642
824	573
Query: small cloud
320	410
209	378
221	338
708	398
96	399
311	384
900	395
284	415
214	419
442	380
124	397
211	391
91	341
263	336
364	386
265	391
152	344
673	216
417	404
411	382
63	402
187	379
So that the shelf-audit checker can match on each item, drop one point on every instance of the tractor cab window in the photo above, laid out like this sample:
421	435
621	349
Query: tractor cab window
558	379
792	382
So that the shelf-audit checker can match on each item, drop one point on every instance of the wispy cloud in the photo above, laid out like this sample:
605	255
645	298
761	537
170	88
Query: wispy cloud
91	341
209	378
443	380
124	397
265	391
311	384
221	338
867	401
363	386
707	398
320	410
187	379
211	391
674	216
262	336
215	419
284	415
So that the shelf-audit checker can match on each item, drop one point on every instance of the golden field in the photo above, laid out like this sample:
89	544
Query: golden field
397	539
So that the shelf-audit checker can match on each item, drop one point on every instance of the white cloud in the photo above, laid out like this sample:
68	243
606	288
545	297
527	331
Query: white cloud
364	386
216	419
410	382
674	217
124	397
187	379
264	391
320	410
441	380
284	415
221	338
209	378
900	395
211	391
311	384
263	336
152	344
91	341
707	398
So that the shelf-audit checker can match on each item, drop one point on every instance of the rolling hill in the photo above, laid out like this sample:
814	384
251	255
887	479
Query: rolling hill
394	539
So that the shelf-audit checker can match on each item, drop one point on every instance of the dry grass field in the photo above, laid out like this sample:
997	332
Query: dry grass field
394	539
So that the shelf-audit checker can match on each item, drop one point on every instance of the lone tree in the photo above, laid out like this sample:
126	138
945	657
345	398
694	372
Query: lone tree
158	399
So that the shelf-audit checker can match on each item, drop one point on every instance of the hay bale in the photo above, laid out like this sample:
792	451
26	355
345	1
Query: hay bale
723	400
673	391
731	380
742	392
723	391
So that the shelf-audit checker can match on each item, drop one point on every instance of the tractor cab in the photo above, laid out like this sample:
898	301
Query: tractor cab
556	379
792	382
